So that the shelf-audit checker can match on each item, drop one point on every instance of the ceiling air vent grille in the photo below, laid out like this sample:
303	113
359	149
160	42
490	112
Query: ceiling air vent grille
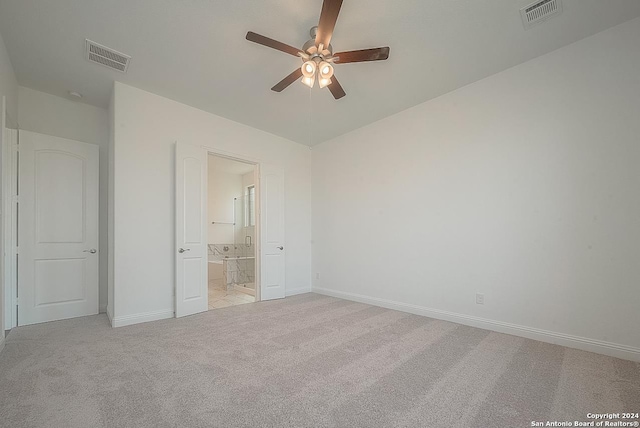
539	11
106	56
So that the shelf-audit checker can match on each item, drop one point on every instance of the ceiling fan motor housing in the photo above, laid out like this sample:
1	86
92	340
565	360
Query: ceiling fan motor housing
310	45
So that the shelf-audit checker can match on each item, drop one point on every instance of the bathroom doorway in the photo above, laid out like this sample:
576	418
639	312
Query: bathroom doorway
231	243
258	249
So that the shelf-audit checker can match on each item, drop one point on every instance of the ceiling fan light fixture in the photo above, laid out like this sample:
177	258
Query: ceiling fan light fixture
309	81
325	70
323	83
309	69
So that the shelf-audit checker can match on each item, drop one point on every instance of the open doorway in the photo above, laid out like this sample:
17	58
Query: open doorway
264	250
231	232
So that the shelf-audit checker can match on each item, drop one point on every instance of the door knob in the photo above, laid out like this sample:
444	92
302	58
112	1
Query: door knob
280	248
92	251
182	250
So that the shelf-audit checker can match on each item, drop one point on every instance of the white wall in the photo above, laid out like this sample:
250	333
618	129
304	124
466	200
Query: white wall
8	85
146	128
52	115
223	188
524	186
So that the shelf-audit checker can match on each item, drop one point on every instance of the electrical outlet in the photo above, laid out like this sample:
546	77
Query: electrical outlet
479	299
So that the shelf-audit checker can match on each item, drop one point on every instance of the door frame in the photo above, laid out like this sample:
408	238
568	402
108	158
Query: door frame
258	205
9	205
9	179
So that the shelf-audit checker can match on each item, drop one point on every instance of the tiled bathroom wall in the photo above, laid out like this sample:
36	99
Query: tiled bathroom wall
222	251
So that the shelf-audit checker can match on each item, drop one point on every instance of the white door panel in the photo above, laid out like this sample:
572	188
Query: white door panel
191	230
66	276
59	203
57	229
272	278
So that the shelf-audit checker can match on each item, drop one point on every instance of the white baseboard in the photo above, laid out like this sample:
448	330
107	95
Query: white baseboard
577	342
140	318
294	291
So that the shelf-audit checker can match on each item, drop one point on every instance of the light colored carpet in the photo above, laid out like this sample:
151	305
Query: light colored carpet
305	361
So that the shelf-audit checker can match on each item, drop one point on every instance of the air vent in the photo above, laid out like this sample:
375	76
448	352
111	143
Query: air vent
106	56
539	11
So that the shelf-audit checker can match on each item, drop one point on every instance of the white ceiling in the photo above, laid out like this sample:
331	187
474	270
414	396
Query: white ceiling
195	52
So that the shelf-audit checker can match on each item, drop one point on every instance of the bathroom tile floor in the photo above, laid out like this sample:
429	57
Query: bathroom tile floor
220	297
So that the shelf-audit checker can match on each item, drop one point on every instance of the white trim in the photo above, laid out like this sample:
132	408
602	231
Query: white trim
12	218
294	291
140	318
110	315
9	178
577	342
257	231
212	149
2	341
4	203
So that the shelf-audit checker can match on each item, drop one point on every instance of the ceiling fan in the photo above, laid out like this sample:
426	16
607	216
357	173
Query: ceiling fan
317	53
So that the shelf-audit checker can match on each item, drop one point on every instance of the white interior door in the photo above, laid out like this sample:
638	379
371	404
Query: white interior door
191	230
57	229
272	249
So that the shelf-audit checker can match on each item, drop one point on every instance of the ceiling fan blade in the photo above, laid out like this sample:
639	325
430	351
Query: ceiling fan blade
336	89
273	44
284	83
328	18
375	54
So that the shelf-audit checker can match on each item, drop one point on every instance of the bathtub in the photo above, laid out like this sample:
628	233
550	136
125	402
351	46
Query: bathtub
221	269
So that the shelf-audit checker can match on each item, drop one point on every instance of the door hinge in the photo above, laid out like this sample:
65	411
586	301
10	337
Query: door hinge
17	301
